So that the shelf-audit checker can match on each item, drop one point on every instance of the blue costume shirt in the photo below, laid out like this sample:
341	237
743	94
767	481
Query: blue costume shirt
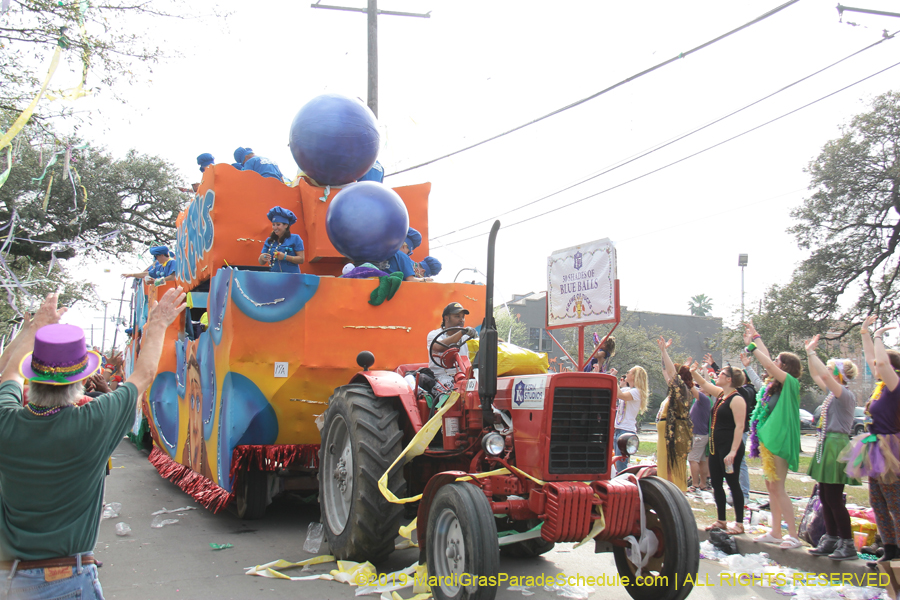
401	262
158	270
264	167
291	245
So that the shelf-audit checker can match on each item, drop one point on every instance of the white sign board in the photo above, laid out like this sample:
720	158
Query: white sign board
528	393
581	285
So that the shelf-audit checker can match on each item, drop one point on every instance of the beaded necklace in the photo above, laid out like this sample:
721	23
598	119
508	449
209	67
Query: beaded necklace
44	411
761	406
823	421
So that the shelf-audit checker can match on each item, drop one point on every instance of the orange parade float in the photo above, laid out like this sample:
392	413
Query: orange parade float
233	408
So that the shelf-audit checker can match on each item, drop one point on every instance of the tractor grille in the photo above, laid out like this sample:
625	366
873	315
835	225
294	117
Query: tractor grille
579	434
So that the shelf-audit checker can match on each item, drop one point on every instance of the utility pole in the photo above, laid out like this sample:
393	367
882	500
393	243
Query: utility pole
742	262
372	13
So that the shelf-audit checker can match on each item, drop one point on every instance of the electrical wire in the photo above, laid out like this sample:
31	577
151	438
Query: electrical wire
680	160
608	89
668	143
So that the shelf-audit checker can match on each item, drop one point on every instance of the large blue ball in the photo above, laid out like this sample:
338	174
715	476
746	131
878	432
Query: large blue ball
367	222
335	139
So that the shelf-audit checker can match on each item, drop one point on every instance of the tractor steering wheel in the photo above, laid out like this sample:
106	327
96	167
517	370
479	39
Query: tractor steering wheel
447	358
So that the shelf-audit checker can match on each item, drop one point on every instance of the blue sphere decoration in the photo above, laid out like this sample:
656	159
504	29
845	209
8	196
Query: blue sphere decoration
335	139
367	222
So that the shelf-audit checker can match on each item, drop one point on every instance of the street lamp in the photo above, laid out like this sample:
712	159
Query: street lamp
742	262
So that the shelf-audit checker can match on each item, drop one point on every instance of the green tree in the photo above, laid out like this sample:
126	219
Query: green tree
111	207
509	328
110	37
851	225
700	305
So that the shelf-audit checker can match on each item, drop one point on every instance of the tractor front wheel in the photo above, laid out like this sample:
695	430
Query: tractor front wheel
461	545
361	437
669	516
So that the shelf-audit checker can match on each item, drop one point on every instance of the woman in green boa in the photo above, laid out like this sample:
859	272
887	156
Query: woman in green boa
775	433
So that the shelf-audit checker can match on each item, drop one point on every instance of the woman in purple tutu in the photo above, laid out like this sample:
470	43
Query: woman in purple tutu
876	454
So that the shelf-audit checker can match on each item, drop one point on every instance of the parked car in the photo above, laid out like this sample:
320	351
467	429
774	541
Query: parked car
860	420
806	420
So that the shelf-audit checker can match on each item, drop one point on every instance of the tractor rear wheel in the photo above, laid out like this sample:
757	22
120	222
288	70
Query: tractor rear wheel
669	516
361	437
461	545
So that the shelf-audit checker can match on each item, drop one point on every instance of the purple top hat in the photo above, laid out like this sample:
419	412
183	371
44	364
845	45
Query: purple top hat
59	356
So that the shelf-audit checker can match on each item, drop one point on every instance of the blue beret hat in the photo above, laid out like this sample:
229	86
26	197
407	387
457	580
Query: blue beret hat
159	251
204	160
413	239
431	266
241	153
130	330
281	215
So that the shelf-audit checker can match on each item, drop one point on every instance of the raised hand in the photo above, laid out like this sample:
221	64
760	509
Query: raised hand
48	313
166	310
812	344
745	359
879	332
708	359
870	320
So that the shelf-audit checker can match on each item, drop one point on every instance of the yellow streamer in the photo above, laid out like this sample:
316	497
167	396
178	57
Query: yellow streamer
26	114
599	525
47	194
416	447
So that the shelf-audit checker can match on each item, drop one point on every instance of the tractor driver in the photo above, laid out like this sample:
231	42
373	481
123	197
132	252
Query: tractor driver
454	315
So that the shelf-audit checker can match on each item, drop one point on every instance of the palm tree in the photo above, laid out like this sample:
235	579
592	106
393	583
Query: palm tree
700	305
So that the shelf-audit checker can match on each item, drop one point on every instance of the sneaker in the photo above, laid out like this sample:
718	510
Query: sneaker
827	544
789	542
845	551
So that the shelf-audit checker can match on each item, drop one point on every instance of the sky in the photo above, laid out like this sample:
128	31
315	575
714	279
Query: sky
475	69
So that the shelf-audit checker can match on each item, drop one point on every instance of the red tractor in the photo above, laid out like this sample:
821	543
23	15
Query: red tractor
530	455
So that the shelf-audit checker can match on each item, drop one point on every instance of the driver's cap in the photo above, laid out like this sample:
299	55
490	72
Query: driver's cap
454	308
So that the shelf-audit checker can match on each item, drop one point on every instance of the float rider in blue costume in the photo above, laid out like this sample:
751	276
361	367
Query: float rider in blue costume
263	166
401	260
161	271
283	251
205	160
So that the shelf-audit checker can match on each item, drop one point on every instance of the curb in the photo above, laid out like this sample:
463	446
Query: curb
798	558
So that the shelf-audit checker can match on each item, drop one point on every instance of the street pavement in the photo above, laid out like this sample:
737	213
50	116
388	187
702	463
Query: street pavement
176	561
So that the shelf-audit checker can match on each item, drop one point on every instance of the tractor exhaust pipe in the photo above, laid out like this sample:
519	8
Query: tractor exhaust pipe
487	350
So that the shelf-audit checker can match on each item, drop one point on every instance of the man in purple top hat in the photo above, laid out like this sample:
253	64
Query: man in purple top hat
53	454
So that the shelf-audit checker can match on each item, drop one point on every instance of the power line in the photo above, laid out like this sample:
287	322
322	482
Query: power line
666	144
610	88
680	160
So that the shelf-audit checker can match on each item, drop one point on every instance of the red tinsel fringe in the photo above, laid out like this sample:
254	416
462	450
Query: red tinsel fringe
271	458
199	487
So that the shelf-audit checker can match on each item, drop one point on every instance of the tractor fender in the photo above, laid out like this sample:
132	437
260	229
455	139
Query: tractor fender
389	384
431	489
640	471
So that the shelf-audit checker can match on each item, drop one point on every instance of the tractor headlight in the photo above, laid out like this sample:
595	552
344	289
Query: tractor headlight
493	443
628	444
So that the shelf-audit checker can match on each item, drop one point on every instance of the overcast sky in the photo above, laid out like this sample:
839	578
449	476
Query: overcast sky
479	68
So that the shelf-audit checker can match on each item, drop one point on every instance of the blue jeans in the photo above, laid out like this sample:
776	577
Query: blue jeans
29	584
745	471
620	465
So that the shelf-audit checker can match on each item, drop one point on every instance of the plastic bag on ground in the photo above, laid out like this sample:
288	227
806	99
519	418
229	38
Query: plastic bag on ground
723	541
750	563
314	536
576	592
122	529
111	510
710	552
526	591
159	521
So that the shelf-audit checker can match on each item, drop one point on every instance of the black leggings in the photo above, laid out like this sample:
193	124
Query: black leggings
837	518
717	474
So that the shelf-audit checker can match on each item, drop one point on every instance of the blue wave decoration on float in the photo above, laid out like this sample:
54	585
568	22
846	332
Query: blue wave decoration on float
164	404
272	297
246	418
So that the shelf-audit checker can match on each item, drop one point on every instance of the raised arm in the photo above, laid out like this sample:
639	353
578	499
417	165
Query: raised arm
868	346
882	361
752	375
47	314
706	386
819	372
668	365
756	347
753	335
161	315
